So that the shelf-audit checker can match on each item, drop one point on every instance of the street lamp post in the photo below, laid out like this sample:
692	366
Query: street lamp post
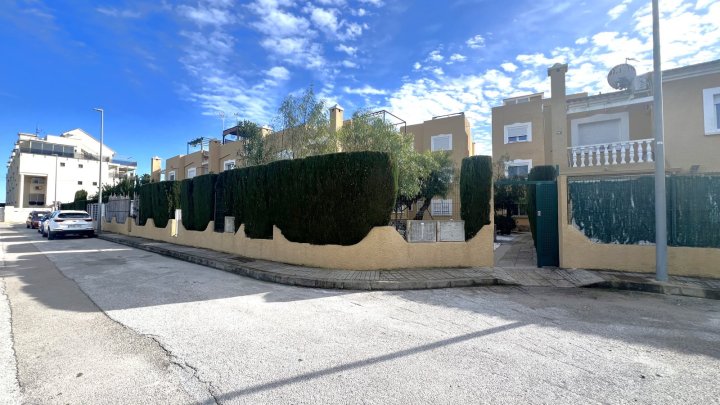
660	203
55	204
102	140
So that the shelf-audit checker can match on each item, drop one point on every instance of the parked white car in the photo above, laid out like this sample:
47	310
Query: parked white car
66	222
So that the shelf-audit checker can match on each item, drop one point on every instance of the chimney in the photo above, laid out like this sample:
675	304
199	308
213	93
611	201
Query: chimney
558	114
155	168
336	118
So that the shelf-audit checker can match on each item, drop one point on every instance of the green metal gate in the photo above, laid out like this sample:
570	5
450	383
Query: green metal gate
546	201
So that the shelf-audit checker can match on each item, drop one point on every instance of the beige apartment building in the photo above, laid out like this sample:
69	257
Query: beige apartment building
612	132
451	132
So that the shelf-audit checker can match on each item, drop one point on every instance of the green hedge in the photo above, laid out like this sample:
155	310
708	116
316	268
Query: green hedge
186	204
475	193
197	199
327	199
159	201
537	173
79	205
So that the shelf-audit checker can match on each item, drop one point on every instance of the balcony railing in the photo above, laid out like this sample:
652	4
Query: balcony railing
608	154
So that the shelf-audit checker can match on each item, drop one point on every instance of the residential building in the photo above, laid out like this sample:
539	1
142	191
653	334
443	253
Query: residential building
451	132
612	132
49	170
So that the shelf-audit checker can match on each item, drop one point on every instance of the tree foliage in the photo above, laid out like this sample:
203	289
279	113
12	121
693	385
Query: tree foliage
254	151
302	124
80	195
420	175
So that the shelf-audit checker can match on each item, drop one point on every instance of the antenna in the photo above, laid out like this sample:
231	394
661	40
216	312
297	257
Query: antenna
221	114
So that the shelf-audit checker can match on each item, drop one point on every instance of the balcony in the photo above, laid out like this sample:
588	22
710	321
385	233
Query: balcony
612	154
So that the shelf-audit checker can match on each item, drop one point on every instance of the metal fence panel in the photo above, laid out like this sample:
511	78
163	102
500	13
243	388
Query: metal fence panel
622	209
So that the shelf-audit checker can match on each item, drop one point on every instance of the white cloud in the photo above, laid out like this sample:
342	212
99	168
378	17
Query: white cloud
456	57
365	91
206	15
349	64
279	73
435	56
114	12
476	42
509	67
352	31
326	20
350	50
376	3
438	71
359	12
417	66
296	51
618	10
581	41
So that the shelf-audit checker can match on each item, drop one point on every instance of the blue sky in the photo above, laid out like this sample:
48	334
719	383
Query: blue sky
164	70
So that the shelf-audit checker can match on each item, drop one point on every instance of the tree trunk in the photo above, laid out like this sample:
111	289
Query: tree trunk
421	211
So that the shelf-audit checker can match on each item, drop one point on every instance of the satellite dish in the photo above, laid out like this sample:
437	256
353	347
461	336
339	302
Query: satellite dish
621	76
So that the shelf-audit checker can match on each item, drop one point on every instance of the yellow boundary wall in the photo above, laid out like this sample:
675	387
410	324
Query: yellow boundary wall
577	251
382	248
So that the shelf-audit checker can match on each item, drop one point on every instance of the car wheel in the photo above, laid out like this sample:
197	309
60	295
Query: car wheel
27	226
51	235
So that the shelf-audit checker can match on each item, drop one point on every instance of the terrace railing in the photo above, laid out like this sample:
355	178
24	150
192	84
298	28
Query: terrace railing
608	154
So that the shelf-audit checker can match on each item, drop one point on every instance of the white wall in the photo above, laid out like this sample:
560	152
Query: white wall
67	176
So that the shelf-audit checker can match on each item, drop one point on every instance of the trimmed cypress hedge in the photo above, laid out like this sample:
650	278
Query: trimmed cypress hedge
203	200
537	173
327	199
475	193
197	199
186	203
159	201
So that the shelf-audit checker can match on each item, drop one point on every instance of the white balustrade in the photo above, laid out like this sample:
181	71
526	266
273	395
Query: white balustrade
623	153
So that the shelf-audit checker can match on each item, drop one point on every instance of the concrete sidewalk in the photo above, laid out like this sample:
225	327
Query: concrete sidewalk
411	279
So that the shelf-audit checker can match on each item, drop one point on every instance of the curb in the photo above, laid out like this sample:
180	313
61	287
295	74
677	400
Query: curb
658	288
299	281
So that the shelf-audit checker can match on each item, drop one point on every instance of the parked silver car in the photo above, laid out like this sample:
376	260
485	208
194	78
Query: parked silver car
66	222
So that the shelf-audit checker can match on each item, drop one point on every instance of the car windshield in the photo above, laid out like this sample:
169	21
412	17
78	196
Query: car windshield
71	215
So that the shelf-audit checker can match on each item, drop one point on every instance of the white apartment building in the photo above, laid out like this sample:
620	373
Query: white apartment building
45	171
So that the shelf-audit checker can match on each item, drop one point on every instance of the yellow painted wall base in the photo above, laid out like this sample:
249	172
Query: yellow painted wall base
581	252
382	248
577	251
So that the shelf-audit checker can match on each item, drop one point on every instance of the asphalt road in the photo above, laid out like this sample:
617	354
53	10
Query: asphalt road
139	327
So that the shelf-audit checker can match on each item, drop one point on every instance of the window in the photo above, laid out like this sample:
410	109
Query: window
171	175
711	107
79	183
517	168
36	199
80	165
441	142
62	164
191	172
520	132
441	207
94	183
38	180
600	129
229	164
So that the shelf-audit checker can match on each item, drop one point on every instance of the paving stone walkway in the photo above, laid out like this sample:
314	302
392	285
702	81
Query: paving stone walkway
408	279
